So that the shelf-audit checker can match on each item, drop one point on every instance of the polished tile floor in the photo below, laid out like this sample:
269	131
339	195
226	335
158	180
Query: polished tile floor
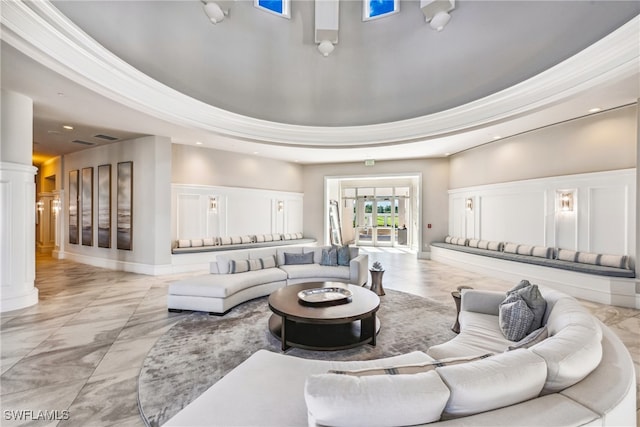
79	351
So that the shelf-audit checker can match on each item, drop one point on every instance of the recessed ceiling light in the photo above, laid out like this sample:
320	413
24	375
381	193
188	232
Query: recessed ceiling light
447	154
496	137
198	143
256	152
67	127
595	109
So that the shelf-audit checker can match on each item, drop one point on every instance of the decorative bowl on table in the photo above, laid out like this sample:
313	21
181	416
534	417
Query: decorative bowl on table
325	296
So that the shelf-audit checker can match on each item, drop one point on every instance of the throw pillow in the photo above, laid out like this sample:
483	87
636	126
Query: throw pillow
268	262
238	266
329	257
532	339
534	299
617	261
255	264
344	255
296	259
184	243
410	369
515	317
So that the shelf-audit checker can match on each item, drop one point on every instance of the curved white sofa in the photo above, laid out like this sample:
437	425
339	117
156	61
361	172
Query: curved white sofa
581	374
223	289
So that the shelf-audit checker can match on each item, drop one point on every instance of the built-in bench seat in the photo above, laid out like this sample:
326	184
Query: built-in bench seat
606	279
600	270
217	244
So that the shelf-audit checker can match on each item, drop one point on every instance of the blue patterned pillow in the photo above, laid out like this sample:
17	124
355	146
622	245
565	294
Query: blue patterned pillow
515	318
344	255
534	299
329	257
294	259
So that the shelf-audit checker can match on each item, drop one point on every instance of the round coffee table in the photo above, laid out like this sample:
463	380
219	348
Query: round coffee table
324	327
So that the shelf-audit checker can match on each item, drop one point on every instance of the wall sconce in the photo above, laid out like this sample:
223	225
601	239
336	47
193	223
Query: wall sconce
213	205
280	205
566	202
55	205
40	206
469	204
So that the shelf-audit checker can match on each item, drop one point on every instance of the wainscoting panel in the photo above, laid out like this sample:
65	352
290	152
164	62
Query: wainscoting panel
515	217
208	211
600	218
189	216
608	223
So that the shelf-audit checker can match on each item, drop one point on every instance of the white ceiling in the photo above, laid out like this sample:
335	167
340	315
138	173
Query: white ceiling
263	73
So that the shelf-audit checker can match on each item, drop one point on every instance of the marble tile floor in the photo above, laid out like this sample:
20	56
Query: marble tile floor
80	349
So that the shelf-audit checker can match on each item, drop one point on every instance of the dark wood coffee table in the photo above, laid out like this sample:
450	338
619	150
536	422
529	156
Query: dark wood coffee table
324	327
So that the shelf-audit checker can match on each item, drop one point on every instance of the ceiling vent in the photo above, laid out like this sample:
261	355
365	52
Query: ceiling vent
106	137
78	141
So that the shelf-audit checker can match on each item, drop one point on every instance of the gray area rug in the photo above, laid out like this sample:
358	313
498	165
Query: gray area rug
201	349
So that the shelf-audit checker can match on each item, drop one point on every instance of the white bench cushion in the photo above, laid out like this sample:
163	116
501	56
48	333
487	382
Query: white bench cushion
223	285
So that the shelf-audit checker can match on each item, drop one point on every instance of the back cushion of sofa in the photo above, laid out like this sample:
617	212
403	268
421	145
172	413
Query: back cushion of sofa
261	253
292	250
223	261
573	348
376	400
317	252
495	382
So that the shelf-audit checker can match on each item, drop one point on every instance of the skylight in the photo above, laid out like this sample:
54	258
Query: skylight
373	9
277	7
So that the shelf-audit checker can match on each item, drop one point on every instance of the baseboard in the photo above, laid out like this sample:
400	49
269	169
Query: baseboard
117	265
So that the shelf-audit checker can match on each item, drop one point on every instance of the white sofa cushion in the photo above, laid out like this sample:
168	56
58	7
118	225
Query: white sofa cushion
491	383
573	348
480	334
308	271
223	261
375	401
223	285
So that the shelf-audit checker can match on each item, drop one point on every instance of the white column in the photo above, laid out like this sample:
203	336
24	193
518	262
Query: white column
17	201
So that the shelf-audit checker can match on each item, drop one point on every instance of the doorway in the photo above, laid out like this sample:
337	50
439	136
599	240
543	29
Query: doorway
379	211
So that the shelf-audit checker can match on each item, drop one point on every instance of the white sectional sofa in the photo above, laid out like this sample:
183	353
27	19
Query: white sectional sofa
580	374
238	276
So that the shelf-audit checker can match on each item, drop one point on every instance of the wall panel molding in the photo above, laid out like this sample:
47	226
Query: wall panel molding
528	212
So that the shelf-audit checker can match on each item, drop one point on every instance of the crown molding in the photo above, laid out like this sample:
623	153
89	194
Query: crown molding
43	33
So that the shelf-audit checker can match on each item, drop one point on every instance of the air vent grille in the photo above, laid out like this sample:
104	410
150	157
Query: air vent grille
79	141
107	137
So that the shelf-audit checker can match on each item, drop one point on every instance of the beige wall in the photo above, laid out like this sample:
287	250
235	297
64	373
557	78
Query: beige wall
49	176
435	177
599	142
203	166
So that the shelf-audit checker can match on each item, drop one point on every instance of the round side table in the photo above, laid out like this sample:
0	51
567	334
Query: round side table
376	282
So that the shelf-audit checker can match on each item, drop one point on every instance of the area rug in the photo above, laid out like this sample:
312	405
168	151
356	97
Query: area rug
201	349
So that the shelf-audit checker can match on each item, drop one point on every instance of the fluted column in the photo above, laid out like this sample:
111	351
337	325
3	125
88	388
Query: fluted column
17	201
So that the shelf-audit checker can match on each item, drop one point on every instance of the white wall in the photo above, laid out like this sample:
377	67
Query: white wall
528	212
151	245
237	212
